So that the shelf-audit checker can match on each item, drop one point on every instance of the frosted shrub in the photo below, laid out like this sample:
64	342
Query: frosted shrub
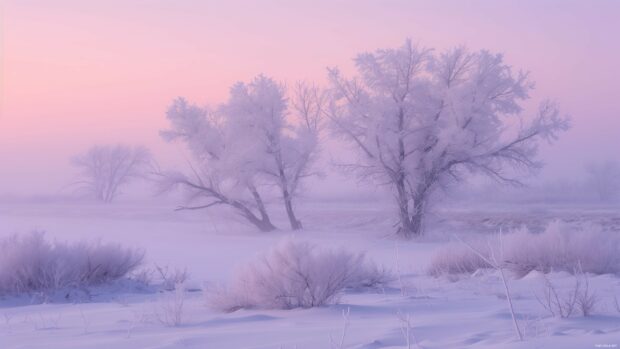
172	277
558	248
369	275
297	275
456	258
31	263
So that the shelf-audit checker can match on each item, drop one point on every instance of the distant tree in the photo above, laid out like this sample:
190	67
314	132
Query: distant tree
420	120
246	144
104	169
604	179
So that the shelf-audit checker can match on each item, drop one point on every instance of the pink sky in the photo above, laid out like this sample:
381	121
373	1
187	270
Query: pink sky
75	73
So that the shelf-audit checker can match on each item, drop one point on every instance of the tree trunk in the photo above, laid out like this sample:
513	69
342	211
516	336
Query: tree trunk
264	223
286	195
295	223
411	218
416	221
405	228
417	216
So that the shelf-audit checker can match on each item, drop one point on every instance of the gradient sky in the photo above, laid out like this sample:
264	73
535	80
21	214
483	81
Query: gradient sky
75	73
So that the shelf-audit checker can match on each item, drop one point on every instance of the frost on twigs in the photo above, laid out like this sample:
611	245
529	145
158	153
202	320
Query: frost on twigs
421	120
558	248
105	169
30	263
579	298
297	275
265	136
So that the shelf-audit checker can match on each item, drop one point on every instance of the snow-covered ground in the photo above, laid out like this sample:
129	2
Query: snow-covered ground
459	312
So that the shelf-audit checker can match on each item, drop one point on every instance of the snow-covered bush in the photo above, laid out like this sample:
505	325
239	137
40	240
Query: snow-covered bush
561	249
456	258
297	275
558	248
32	263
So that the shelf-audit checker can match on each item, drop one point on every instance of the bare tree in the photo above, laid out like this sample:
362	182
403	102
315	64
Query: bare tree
104	169
420	121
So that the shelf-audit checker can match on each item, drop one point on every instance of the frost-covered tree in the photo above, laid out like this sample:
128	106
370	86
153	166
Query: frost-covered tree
247	143
219	173
104	169
604	179
419	120
282	152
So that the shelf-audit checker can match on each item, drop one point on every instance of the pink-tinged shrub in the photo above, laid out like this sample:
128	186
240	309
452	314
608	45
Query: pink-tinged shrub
456	258
32	263
558	248
297	275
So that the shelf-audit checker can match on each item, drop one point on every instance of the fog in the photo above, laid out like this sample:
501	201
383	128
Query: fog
309	174
77	73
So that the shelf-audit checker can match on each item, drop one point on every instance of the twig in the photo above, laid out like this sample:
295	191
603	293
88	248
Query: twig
345	327
493	262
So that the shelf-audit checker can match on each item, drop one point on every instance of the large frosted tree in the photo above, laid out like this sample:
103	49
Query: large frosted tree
280	137
218	173
257	139
420	119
